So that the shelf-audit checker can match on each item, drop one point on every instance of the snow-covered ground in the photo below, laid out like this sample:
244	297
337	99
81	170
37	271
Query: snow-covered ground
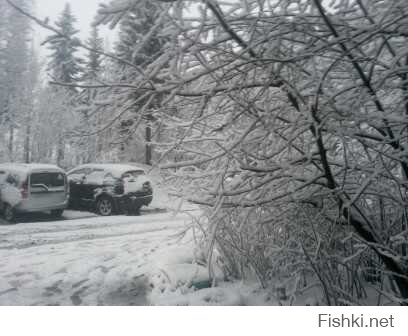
85	259
88	260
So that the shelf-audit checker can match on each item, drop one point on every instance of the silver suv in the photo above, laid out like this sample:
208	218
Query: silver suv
32	188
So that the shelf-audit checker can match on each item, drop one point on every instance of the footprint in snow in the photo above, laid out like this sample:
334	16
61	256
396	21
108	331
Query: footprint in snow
53	289
79	283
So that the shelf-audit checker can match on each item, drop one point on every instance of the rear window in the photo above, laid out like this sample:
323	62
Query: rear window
48	179
133	173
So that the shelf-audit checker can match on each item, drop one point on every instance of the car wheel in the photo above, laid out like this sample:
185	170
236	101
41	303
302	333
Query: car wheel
57	213
9	213
104	206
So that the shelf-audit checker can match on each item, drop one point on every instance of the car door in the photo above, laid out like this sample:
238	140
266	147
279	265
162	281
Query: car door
92	182
47	188
76	184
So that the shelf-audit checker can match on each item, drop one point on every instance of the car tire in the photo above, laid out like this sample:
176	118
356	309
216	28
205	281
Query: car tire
104	206
57	213
9	213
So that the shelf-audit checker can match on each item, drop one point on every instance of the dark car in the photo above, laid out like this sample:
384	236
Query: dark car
109	188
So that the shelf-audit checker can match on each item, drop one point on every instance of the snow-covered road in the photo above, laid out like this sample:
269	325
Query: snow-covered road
84	259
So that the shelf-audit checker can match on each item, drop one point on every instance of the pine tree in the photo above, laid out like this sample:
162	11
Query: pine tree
3	44
94	58
88	121
133	45
14	59
64	65
141	44
30	93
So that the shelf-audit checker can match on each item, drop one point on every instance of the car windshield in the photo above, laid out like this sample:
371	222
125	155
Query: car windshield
47	179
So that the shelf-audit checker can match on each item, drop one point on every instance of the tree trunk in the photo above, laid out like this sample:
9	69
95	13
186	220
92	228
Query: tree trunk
148	154
60	151
11	144
397	270
27	143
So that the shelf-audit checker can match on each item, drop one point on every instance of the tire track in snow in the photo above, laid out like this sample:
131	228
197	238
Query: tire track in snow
38	242
97	222
24	236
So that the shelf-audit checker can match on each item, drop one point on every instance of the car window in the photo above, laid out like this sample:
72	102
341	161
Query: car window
109	179
133	173
48	179
96	176
78	174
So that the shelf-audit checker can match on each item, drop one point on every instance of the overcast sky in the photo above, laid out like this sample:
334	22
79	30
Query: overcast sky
83	10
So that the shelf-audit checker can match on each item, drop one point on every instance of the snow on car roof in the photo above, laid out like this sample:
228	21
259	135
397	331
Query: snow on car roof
115	168
30	167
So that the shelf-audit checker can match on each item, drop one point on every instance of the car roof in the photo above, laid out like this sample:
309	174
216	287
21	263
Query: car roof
115	168
30	167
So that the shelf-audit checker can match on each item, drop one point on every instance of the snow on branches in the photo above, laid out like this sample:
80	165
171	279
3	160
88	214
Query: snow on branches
287	121
282	107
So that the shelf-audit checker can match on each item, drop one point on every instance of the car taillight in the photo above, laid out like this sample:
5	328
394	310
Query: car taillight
24	190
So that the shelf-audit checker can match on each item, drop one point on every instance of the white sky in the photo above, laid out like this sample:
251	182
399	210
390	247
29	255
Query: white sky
83	10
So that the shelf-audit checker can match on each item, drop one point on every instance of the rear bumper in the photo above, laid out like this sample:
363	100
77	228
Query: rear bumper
25	206
132	202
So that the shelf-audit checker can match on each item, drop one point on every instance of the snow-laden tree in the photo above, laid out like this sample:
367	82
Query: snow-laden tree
94	59
65	66
289	129
293	115
15	38
29	89
3	34
86	135
141	41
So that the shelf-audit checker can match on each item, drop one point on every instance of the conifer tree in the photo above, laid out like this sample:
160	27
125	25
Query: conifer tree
64	64
88	121
94	58
14	59
140	43
3	38
66	67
